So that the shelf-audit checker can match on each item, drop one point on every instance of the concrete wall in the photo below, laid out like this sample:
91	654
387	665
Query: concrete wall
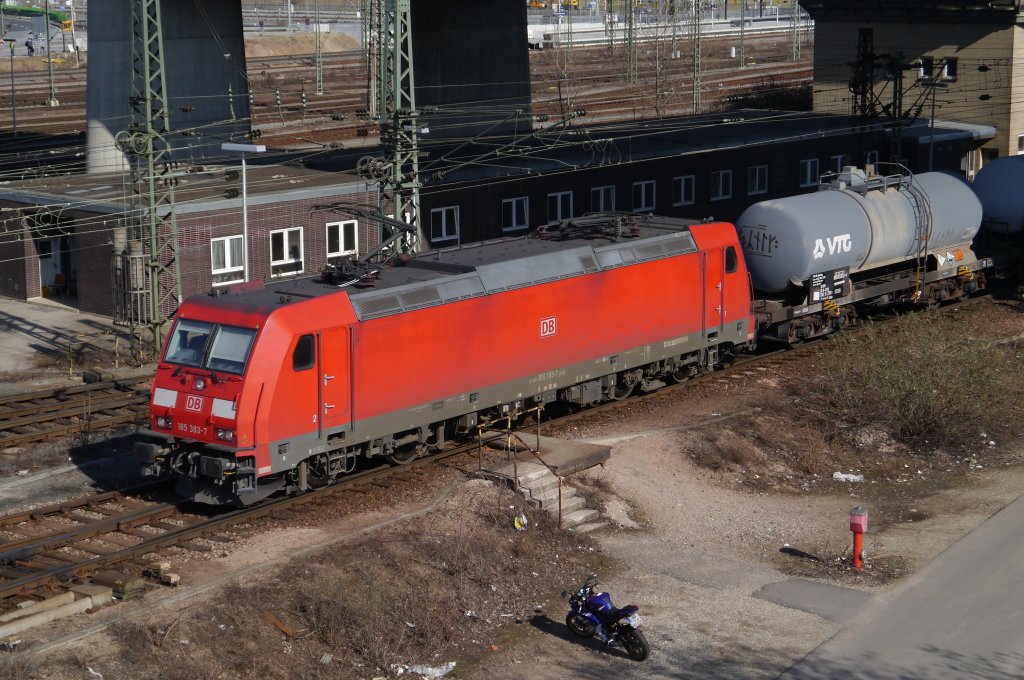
203	54
472	61
995	46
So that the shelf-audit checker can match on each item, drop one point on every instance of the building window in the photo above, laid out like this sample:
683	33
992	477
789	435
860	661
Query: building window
643	196
721	185
559	206
1020	144
927	68
809	176
444	224
515	213
286	252
342	238
227	260
602	199
871	157
836	163
757	179
950	68
683	190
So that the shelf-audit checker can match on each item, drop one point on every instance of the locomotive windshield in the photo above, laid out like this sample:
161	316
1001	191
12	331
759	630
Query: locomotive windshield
212	346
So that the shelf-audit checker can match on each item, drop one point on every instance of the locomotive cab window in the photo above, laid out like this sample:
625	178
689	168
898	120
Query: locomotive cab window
304	356
731	261
215	347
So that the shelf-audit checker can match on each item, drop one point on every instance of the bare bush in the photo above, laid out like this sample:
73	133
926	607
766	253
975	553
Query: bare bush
16	666
923	379
137	641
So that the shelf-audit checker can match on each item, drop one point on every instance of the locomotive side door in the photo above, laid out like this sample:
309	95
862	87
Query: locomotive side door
714	291
334	382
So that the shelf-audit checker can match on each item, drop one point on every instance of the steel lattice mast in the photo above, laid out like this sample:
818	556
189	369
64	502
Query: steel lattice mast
399	123
147	145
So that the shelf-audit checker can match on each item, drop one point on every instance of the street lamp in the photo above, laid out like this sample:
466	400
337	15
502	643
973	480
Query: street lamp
244	149
14	94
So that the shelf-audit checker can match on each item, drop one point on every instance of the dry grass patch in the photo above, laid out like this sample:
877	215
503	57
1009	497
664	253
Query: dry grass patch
924	380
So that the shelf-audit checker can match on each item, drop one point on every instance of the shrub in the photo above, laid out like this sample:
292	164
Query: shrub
923	378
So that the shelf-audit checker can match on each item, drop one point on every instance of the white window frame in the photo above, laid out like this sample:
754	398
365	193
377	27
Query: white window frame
1020	144
520	213
230	267
287	260
449	231
684	190
946	63
602	193
719	180
836	162
810	172
759	185
559	196
647	195
343	250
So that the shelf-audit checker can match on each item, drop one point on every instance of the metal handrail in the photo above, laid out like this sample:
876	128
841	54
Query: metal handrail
510	434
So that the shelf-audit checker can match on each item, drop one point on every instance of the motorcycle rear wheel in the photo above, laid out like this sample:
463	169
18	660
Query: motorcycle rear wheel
635	644
579	626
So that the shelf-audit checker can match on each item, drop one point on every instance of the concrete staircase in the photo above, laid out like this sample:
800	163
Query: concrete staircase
539	487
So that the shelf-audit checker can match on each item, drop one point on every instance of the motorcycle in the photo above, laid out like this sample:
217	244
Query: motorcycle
589	609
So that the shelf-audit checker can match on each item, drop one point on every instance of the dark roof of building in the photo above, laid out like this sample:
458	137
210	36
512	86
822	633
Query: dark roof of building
198	188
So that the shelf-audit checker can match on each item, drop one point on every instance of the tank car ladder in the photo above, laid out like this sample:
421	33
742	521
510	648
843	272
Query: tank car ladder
923	228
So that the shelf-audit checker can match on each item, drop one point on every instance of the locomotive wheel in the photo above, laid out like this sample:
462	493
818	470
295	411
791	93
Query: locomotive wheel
407	455
622	389
681	374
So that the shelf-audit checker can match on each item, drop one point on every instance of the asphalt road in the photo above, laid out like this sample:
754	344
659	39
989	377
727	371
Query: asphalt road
961	617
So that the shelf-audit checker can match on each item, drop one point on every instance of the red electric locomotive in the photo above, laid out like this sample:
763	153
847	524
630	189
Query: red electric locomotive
290	385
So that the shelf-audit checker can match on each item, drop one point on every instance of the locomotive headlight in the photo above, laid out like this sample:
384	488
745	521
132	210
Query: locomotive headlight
200	383
163	422
226	435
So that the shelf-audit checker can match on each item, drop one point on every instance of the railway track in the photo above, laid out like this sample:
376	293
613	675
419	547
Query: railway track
47	548
289	114
35	416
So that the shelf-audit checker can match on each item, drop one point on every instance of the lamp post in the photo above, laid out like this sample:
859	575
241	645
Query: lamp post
244	149
52	101
14	94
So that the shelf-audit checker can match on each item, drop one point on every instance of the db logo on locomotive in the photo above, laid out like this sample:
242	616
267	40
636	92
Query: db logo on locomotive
548	326
194	403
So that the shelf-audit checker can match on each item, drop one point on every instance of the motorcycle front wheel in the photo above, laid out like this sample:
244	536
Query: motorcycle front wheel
635	644
579	625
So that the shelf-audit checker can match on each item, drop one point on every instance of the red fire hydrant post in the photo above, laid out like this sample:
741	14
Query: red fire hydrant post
858	525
